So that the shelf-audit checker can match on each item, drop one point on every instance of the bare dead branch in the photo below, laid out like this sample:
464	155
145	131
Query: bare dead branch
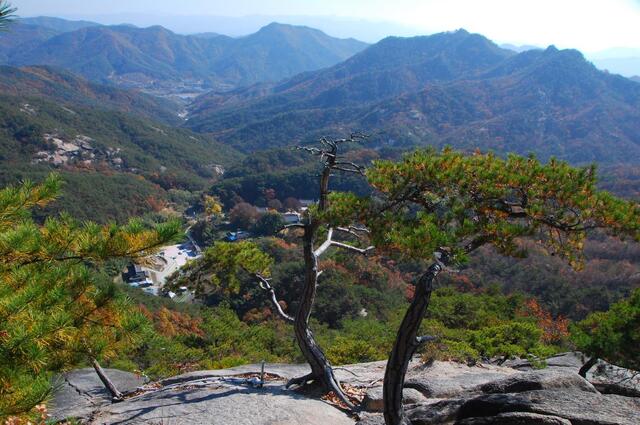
350	167
264	284
301	380
325	245
330	242
345	370
348	170
313	151
363	251
349	231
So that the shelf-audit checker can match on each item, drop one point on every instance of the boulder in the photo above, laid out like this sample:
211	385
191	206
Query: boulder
611	379
372	401
579	407
447	379
572	360
515	418
539	380
440	412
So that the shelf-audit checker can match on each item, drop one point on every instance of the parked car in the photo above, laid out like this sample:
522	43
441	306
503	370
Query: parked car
141	284
152	290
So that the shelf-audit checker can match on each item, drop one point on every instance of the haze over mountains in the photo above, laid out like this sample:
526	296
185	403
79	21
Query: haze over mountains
57	24
284	85
141	57
624	61
450	88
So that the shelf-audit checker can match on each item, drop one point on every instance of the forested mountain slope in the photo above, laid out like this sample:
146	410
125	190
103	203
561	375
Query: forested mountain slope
117	162
452	88
144	55
67	88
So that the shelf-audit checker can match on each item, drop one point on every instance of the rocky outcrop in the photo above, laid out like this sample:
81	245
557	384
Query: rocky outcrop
437	393
610	379
230	396
539	380
372	401
448	379
516	418
515	394
79	393
579	407
219	402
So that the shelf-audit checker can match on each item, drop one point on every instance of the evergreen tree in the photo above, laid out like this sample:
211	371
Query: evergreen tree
268	224
7	14
224	261
613	335
56	310
441	206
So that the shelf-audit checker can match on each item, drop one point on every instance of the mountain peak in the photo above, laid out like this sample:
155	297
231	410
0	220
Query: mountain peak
277	27
461	31
565	55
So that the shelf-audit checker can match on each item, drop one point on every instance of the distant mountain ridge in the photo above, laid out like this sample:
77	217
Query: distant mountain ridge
144	55
391	67
23	37
57	24
450	88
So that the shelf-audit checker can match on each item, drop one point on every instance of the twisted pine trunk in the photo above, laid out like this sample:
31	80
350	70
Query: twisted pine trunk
406	343
321	370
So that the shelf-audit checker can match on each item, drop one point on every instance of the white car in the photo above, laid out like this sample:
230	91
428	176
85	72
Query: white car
152	290
141	284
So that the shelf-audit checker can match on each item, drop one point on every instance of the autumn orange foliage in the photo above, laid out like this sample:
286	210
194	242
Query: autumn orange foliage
554	330
171	323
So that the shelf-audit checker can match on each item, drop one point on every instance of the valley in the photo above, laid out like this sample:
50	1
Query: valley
176	206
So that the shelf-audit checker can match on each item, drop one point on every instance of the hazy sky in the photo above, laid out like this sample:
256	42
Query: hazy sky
589	25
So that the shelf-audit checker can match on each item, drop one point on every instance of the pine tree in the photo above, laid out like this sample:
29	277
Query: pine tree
7	14
56	310
613	335
225	261
441	206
